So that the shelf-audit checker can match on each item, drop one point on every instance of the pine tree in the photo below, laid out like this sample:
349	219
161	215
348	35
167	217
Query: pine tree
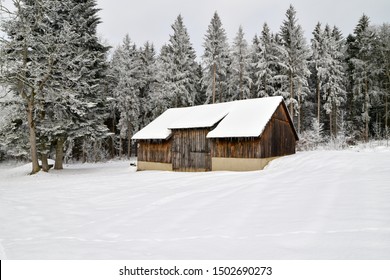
267	64
59	65
127	91
254	53
382	62
240	80
13	127
216	61
30	55
363	70
317	63
183	67
84	99
148	83
297	54
333	75
162	97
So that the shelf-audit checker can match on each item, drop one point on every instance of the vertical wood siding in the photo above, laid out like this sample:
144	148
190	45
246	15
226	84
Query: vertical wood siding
155	150
191	150
277	139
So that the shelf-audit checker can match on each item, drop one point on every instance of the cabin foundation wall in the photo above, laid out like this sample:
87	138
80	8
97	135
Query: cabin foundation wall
239	164
145	165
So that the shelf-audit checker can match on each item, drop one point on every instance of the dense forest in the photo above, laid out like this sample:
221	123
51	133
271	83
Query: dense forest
66	95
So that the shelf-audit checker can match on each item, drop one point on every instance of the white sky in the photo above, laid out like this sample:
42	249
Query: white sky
151	20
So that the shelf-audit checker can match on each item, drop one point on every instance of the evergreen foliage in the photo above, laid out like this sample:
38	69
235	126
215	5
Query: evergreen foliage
216	62
240	81
66	98
295	60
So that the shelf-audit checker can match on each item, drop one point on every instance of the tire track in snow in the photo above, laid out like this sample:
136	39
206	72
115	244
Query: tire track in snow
195	237
3	255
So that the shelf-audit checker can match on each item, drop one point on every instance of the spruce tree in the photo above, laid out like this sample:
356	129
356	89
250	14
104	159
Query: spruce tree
296	62
240	80
183	66
82	102
162	97
31	55
127	91
216	62
364	70
148	83
317	64
333	74
383	59
267	64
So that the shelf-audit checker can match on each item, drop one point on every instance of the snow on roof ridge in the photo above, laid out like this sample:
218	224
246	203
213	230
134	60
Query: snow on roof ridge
247	119
237	119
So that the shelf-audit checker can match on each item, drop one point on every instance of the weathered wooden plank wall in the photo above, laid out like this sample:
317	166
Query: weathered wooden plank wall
277	139
236	147
155	150
191	150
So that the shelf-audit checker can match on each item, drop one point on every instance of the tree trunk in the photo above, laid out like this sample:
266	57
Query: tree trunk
292	98
299	108
120	147
32	136
44	158
386	104
331	124
128	140
241	90
58	165
366	105
214	79
84	159
334	112
220	92
318	101
113	137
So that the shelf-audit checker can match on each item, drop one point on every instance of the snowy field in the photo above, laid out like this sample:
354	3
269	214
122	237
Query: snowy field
312	205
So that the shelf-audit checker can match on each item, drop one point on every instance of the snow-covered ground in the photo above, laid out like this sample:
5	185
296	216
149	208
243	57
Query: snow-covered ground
312	205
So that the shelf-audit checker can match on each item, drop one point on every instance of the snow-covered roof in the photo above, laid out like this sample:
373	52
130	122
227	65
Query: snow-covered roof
243	118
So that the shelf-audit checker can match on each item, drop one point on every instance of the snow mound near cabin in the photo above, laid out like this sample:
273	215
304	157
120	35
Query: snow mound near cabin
312	205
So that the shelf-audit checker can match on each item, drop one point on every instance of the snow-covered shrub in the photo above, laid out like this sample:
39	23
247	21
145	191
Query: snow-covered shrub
312	138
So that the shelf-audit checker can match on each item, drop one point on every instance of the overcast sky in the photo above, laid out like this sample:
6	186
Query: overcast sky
151	20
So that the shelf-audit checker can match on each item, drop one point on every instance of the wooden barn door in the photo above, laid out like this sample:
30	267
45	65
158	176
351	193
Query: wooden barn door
191	150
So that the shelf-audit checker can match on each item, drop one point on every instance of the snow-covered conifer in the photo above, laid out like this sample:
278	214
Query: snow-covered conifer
126	93
240	80
364	70
296	62
267	64
183	67
216	61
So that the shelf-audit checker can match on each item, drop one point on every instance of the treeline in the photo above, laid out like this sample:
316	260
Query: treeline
79	104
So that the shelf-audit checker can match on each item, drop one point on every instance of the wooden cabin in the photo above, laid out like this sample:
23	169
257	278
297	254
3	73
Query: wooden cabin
238	136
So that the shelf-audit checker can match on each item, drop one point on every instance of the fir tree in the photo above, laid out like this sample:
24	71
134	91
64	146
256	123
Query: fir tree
297	54
363	70
127	91
240	80
30	56
267	64
148	83
333	74
317	64
183	67
216	61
